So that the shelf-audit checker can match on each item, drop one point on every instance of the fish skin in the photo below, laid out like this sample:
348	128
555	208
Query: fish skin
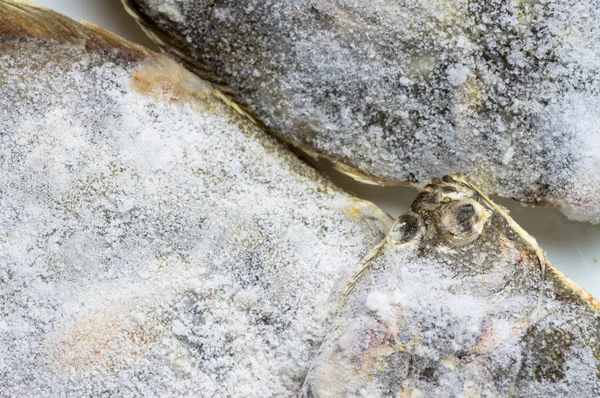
153	240
401	92
458	300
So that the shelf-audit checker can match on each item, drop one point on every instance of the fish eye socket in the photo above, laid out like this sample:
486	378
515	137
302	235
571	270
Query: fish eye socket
407	227
461	222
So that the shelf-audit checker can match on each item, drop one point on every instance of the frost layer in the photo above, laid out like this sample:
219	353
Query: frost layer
460	302
506	92
154	242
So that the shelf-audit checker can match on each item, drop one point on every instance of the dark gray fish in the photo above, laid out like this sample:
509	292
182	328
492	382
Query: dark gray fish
400	92
153	241
459	301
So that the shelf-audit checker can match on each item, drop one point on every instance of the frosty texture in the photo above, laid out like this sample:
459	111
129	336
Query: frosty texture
433	316
154	242
506	92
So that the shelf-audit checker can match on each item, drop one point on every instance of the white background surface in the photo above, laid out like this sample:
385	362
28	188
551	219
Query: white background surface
573	247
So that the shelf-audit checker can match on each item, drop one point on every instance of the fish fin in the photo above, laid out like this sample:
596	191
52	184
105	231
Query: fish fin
24	20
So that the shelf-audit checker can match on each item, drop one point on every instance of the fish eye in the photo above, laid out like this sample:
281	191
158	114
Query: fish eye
407	227
461	222
465	217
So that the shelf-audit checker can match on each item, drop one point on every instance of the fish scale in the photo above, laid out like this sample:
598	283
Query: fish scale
400	92
450	308
153	240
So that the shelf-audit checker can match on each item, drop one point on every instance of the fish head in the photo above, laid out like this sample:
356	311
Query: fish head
451	219
458	300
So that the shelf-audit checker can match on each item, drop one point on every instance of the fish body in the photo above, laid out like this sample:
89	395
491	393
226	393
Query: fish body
459	301
153	240
401	92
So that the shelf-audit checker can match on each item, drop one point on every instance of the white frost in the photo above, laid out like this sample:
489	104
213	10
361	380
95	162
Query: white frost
178	328
126	221
458	75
